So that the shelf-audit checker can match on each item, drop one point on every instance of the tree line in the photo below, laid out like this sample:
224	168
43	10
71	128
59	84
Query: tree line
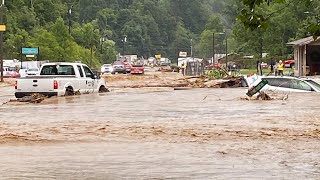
95	31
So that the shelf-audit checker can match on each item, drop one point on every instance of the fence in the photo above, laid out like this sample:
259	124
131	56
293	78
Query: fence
195	68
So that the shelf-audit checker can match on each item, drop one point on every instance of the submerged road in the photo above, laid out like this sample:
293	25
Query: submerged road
158	133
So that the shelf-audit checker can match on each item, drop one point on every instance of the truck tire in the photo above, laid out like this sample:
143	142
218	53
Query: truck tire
69	91
103	89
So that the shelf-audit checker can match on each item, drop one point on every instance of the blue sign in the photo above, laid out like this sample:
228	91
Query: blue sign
30	51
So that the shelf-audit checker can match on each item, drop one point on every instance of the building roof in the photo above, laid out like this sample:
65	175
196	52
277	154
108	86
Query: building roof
302	42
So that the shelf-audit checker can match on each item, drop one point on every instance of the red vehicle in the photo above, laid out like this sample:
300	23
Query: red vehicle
137	69
289	63
214	66
127	66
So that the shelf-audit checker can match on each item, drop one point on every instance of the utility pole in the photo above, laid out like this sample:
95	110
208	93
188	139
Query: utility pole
226	50
213	53
69	18
2	29
191	49
123	47
261	52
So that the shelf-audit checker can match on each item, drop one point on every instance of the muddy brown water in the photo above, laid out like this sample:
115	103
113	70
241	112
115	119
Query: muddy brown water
158	133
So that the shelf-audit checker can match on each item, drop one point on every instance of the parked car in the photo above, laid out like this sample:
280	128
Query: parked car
286	84
119	69
23	72
60	79
33	71
289	63
9	71
127	66
106	68
137	69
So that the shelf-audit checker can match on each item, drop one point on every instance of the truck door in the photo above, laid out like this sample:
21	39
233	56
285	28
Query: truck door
82	80
90	79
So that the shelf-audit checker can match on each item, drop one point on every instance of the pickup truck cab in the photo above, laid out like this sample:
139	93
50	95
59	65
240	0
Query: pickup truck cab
60	79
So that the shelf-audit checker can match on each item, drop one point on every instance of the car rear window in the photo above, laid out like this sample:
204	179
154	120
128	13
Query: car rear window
278	82
57	70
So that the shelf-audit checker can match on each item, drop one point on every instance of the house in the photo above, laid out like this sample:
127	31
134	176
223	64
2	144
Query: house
306	56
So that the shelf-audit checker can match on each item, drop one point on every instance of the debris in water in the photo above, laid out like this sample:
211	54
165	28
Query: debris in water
33	98
265	97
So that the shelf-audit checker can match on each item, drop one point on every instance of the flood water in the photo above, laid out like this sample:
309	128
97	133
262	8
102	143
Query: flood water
161	134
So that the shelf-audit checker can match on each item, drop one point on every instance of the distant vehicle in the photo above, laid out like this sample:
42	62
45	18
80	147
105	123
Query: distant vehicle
9	71
285	84
23	72
33	71
137	69
119	68
60	79
264	65
289	63
127	66
213	66
106	68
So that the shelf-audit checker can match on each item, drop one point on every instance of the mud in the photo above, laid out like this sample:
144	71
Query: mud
159	133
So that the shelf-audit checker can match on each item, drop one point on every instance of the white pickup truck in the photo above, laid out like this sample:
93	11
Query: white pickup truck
60	79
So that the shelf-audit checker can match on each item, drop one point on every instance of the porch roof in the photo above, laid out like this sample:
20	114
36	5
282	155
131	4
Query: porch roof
302	42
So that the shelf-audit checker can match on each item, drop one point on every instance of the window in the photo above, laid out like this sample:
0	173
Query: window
298	84
57	70
80	71
88	72
278	82
314	84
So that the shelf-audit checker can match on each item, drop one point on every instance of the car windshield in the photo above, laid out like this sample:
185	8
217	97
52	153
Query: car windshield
314	84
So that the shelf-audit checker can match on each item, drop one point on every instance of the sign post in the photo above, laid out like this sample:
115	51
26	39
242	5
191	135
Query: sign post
252	91
2	29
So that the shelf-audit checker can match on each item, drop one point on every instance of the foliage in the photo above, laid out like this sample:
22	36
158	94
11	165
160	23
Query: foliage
216	73
252	18
98	28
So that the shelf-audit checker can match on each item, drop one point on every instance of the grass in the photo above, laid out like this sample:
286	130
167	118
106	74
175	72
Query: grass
286	71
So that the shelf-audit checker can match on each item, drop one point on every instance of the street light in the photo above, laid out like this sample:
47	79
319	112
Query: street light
213	44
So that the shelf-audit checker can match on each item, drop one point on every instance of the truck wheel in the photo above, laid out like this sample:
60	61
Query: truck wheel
103	89
69	91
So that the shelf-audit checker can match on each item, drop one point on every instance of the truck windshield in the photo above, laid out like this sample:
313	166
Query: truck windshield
57	70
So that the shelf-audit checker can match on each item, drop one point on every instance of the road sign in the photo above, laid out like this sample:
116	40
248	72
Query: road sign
183	54
257	88
30	51
3	27
158	56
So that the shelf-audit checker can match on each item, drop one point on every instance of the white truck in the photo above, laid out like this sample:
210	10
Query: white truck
60	79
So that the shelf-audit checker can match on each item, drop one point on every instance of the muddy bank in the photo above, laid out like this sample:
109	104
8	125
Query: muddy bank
86	132
8	82
168	79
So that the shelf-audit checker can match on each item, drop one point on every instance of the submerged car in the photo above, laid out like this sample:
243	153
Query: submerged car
286	84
